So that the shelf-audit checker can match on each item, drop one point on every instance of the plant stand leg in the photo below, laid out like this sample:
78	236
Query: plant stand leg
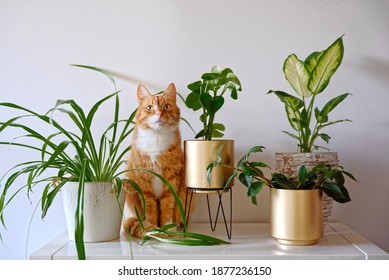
188	201
188	205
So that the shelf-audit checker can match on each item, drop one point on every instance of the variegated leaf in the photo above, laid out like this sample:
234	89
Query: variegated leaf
297	75
326	67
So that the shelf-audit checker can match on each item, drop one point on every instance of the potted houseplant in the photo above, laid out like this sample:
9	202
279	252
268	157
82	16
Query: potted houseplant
208	95
71	161
295	202
308	79
86	171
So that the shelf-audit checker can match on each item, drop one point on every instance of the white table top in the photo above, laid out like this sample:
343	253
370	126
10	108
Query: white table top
249	241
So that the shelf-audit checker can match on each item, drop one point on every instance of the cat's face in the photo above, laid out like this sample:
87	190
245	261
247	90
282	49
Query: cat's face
157	111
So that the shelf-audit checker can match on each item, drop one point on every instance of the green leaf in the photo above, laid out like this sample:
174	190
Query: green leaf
182	238
255	149
319	117
217	129
292	135
255	188
211	104
231	77
292	107
297	75
328	63
193	101
216	69
332	104
349	175
325	137
245	180
234	93
216	133
331	123
79	217
338	193
312	60
195	87
219	126
283	182
105	72
210	76
303	173
259	164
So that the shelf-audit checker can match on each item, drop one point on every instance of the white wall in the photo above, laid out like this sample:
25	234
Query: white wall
158	42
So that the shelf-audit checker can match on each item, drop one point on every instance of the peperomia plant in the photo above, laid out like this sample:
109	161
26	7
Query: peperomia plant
309	78
207	94
329	178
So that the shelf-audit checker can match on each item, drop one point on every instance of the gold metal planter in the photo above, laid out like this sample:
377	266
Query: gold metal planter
289	164
296	216
198	155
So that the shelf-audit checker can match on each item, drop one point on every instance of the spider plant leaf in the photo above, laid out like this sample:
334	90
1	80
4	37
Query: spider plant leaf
79	215
184	238
172	191
103	71
297	74
328	63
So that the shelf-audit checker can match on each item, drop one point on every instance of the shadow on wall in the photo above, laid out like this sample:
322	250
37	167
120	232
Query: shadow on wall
376	68
135	81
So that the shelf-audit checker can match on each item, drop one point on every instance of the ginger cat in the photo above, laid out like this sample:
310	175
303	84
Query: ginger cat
156	146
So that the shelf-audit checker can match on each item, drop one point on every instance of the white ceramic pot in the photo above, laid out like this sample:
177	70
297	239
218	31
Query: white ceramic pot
102	213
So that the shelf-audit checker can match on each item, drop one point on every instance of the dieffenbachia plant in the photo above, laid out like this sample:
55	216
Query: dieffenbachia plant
309	78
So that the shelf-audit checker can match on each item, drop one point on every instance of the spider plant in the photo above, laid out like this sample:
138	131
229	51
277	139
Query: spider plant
71	155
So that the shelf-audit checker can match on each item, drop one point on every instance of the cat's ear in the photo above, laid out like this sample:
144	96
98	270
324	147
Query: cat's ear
170	92
142	93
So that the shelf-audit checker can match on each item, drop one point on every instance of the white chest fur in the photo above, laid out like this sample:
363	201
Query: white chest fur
154	142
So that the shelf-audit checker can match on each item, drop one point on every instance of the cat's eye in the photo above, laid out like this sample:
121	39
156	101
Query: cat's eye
149	108
167	106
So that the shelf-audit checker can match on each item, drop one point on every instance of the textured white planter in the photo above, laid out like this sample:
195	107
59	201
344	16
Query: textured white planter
102	214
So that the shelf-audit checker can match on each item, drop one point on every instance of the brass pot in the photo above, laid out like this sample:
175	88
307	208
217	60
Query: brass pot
296	216
198	155
289	164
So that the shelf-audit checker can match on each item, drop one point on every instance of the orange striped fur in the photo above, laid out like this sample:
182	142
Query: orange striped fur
156	146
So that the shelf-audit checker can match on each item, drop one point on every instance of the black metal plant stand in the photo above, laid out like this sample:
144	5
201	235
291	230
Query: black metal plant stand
188	204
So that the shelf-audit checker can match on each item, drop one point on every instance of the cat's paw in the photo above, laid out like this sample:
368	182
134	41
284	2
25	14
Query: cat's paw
133	226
